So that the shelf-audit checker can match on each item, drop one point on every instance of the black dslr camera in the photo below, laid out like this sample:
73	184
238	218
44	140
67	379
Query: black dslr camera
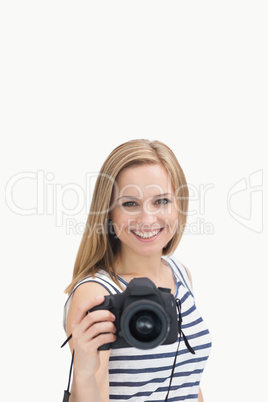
146	316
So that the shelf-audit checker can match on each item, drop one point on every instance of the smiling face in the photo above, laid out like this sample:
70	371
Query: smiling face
143	209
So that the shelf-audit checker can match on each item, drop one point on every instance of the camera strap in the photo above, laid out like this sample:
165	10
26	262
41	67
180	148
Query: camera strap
178	303
67	393
181	333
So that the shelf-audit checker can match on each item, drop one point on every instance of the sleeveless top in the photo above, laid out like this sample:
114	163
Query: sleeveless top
144	375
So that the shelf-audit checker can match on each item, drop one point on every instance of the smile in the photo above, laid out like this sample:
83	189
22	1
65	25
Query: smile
146	235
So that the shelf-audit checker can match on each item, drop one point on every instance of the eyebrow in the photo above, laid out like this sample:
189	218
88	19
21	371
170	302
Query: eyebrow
137	198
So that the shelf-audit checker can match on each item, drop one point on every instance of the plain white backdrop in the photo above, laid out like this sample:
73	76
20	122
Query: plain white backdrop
78	79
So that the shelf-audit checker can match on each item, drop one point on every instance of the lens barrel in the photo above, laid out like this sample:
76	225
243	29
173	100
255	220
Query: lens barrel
144	324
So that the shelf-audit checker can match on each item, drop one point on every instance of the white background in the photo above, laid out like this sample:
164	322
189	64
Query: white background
78	79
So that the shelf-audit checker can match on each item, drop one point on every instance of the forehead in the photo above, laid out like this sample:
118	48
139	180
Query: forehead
147	178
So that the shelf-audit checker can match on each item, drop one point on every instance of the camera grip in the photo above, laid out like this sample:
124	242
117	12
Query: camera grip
106	346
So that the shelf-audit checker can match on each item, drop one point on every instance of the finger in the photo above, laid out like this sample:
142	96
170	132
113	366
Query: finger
78	330
99	328
84	307
90	320
102	339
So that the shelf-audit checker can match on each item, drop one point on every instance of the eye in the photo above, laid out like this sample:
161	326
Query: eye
162	201
129	204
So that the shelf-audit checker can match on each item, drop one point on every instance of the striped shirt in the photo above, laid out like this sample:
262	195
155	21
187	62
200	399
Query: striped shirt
144	375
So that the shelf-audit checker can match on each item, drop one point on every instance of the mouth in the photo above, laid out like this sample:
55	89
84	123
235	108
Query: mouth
146	235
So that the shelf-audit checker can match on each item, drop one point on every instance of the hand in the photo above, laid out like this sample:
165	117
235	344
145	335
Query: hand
89	332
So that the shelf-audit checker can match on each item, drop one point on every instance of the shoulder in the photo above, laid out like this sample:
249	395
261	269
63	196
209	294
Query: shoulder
102	278
87	290
89	287
84	291
181	270
189	275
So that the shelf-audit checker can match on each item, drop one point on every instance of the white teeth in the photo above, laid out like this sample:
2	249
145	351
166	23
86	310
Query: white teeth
147	235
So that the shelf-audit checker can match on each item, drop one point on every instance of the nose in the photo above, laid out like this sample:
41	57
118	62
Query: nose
146	217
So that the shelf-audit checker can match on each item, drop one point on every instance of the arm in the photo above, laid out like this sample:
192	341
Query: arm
200	395
189	275
90	375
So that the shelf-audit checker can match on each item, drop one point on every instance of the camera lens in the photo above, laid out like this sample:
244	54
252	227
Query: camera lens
144	324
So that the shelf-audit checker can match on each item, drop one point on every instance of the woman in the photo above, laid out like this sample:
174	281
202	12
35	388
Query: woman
137	218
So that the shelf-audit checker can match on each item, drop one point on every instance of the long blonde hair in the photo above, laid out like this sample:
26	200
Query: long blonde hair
98	247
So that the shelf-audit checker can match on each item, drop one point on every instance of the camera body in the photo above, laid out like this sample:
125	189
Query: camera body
146	316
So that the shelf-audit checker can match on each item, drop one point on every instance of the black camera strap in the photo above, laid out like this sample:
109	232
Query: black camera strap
178	302
67	393
181	333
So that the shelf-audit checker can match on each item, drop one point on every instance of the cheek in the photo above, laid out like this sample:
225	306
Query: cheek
119	219
173	223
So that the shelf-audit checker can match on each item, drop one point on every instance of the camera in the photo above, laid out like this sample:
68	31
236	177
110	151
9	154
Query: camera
146	316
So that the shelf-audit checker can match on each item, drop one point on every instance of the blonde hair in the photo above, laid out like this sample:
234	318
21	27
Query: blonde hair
98	248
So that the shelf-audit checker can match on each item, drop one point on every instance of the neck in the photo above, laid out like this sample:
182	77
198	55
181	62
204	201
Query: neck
129	263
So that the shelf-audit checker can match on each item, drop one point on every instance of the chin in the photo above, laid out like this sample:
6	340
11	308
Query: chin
147	251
